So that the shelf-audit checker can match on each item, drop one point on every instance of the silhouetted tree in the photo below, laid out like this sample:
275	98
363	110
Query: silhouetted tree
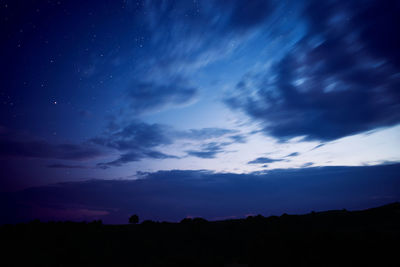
134	219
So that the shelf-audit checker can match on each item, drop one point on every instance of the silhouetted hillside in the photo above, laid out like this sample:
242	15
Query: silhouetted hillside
332	238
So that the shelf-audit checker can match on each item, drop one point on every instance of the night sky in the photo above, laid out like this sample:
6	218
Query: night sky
197	108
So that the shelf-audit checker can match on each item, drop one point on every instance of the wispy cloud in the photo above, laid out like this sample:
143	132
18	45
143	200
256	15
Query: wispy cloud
263	160
23	146
137	140
294	154
65	166
209	150
144	97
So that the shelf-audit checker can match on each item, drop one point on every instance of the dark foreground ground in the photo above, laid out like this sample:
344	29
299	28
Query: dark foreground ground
334	238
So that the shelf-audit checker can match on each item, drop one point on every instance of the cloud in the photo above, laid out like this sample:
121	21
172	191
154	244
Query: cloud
149	96
22	147
338	80
137	140
205	31
245	15
308	164
155	67
374	22
204	133
209	150
173	195
263	160
65	166
318	146
294	154
165	65
134	135
203	154
136	156
239	138
159	155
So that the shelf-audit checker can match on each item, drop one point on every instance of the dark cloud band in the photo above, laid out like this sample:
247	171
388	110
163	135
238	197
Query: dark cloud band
173	195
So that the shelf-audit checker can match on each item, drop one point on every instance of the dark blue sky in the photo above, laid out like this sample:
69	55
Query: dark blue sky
109	90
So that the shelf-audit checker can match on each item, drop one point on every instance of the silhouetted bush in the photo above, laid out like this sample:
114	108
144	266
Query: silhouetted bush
134	219
186	220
